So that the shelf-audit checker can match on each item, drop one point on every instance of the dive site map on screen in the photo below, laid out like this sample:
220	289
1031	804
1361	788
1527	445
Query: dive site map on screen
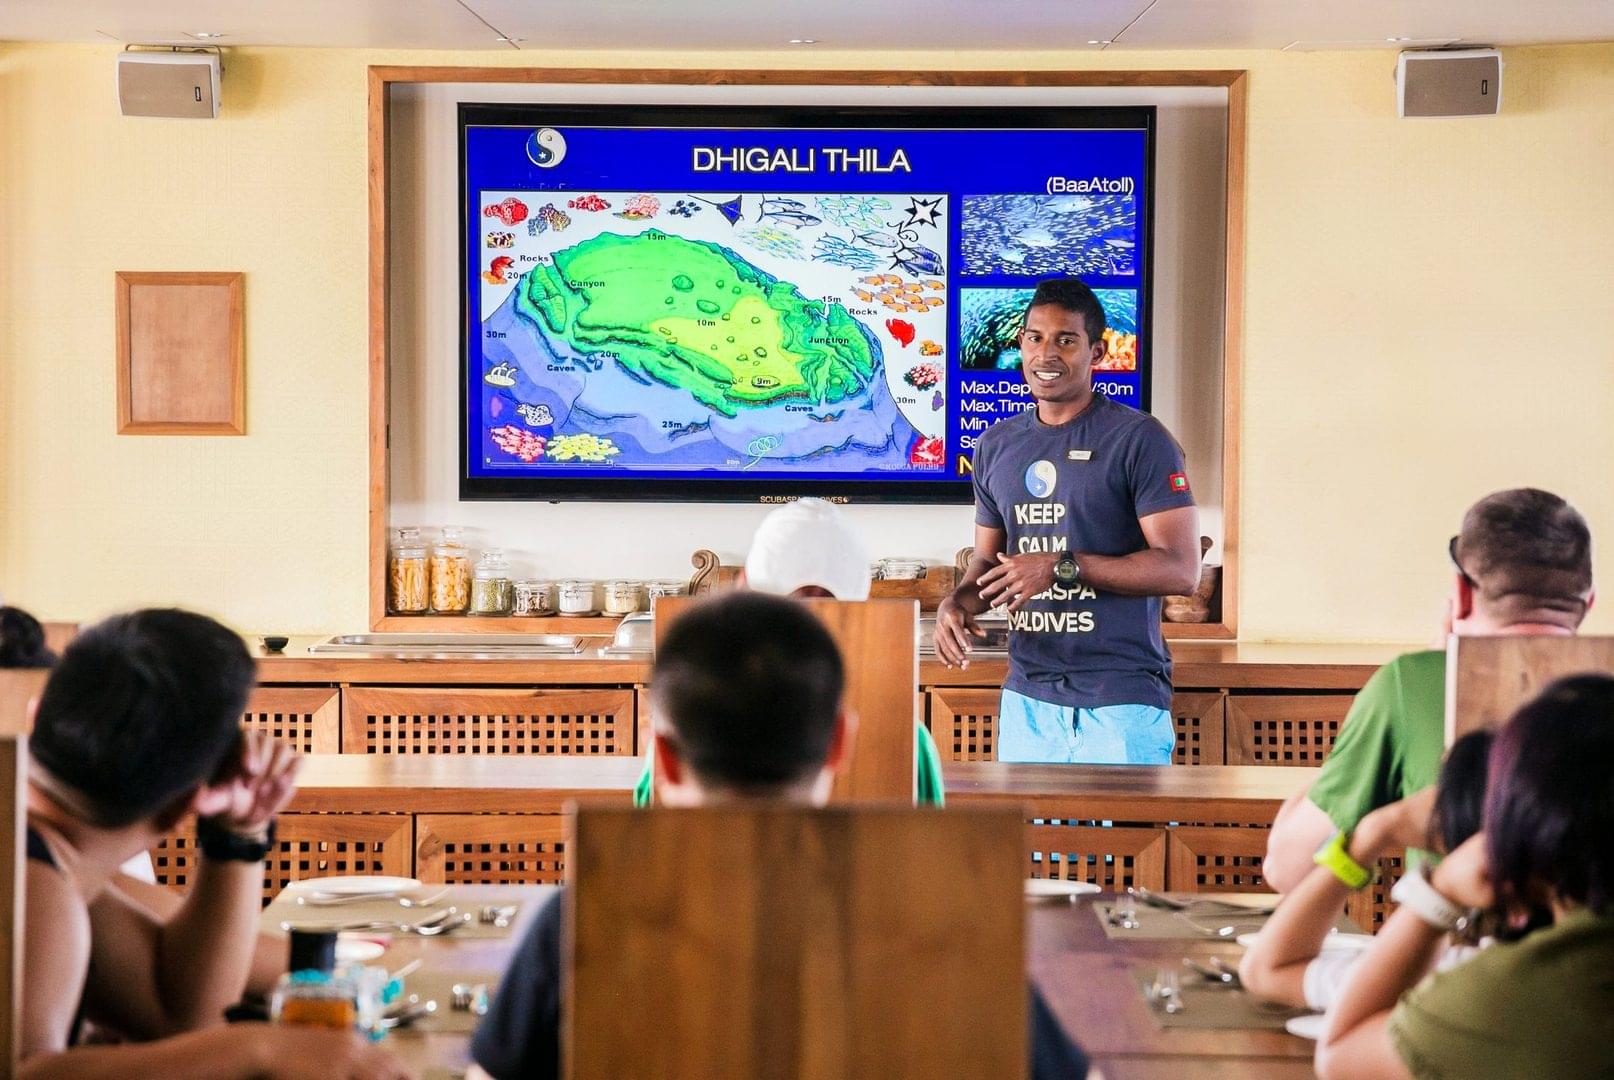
733	303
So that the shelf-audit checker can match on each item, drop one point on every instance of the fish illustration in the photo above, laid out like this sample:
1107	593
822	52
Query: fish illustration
797	218
873	279
1119	244
917	259
878	239
778	203
866	297
1037	238
730	210
1011	255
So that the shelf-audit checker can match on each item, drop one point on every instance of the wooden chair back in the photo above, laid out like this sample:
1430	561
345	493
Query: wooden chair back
19	686
772	941
879	646
1488	678
13	785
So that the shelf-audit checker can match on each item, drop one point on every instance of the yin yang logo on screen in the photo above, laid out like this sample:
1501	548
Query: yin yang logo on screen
1040	477
546	147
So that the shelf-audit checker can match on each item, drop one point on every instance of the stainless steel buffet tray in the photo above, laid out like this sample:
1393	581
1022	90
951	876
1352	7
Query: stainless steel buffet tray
452	646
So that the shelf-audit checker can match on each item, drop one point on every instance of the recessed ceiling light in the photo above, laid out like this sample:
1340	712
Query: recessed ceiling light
1396	39
804	41
204	34
1096	41
510	40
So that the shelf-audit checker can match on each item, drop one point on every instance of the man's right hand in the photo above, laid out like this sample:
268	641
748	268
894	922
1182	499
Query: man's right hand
954	628
291	1052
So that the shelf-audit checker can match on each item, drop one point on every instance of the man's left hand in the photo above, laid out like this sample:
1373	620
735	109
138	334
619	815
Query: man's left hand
1017	578
254	788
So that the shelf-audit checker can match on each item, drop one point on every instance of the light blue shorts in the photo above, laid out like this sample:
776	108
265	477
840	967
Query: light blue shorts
1033	731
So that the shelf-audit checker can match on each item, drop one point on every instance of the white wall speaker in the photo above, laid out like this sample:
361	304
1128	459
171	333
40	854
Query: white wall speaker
1448	82
184	84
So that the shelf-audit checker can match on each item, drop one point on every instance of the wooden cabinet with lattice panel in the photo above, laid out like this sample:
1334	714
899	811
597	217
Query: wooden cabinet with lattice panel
1369	907
306	846
491	849
964	723
1283	729
1111	857
307	717
380	720
1200	722
1216	859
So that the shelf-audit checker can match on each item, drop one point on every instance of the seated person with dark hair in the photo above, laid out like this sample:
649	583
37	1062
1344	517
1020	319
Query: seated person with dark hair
137	727
1538	1006
22	641
746	699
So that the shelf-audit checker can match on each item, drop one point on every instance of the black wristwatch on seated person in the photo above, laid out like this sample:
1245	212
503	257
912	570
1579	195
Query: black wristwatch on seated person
221	845
1066	570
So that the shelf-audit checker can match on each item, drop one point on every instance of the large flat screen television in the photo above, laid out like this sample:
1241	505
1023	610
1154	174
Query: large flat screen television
741	303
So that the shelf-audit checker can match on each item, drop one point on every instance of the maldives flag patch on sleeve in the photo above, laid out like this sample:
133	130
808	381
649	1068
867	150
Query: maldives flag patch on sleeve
1178	481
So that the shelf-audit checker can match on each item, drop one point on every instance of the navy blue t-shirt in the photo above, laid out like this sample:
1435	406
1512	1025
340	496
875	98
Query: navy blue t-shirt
1081	487
519	1039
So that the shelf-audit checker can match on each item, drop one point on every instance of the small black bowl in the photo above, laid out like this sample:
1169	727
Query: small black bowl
274	644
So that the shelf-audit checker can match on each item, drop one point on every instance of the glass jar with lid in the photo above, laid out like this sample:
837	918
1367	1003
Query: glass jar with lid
406	574
491	591
534	598
622	596
450	573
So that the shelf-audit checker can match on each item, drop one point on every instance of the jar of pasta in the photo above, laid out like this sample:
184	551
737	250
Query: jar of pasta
490	585
622	597
450	573
406	574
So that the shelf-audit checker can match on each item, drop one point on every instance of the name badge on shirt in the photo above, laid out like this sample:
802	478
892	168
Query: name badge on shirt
1080	455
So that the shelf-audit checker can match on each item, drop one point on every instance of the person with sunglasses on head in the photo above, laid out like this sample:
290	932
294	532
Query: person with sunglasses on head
1083	521
1522	565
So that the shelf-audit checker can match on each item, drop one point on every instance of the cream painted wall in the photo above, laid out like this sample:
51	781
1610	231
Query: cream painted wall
1427	319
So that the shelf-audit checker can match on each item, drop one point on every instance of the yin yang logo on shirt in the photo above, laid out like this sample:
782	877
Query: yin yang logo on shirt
546	147
1040	477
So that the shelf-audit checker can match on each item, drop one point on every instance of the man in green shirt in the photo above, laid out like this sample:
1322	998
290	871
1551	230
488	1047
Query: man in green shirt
808	549
1522	565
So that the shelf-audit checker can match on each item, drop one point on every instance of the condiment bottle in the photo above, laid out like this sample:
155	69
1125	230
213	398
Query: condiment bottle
490	585
406	574
450	573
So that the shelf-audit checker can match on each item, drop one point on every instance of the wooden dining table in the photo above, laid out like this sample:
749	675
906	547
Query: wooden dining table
1085	976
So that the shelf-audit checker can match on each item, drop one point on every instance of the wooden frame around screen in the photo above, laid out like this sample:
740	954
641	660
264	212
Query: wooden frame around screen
381	78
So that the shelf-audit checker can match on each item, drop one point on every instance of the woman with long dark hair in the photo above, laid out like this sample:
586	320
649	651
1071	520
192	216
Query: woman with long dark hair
1538	1006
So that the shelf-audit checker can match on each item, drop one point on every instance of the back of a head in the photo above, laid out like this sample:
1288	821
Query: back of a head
1549	813
751	687
1073	295
22	641
1529	553
141	709
808	543
1460	796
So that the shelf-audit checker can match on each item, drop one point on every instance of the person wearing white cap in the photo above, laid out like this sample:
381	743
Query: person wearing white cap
808	549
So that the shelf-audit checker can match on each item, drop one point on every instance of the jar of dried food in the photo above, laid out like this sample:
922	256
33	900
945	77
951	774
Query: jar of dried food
534	598
490	585
450	573
406	574
657	589
575	597
622	596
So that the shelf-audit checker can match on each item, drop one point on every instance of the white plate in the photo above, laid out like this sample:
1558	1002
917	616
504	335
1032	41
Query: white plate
1040	888
357	949
1307	1027
359	885
1334	941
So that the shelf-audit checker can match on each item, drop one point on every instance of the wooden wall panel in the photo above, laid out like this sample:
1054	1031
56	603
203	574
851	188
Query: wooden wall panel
385	720
180	354
1283	729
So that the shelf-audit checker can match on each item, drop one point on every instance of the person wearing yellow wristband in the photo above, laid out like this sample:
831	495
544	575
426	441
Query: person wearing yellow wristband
1295	960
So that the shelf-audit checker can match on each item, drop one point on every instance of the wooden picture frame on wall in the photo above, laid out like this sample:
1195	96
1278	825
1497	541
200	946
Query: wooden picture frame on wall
383	77
180	358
